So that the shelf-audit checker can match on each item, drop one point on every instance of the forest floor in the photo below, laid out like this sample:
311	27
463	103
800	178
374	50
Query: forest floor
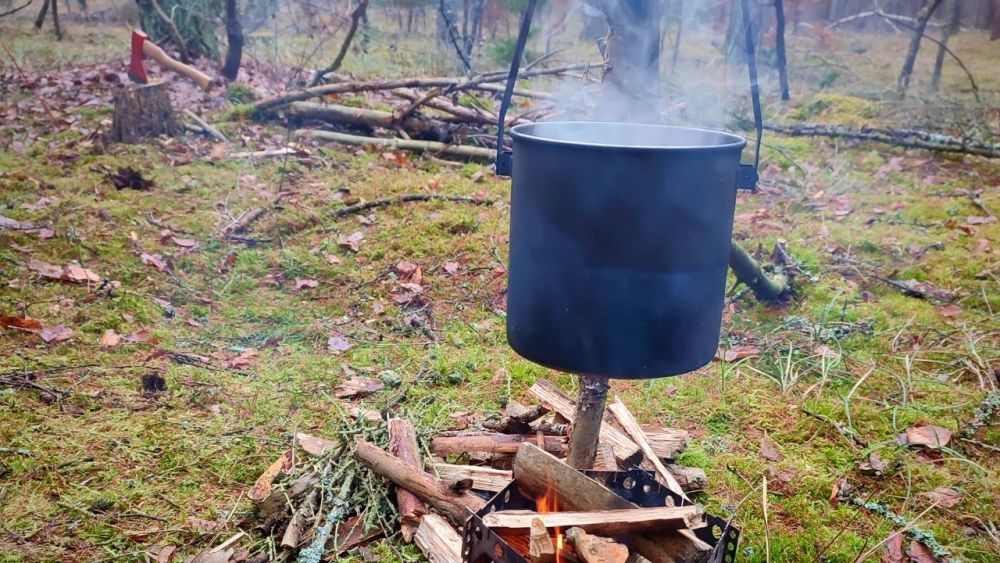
251	334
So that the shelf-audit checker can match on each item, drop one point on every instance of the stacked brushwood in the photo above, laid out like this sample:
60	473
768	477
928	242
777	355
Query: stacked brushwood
323	498
447	116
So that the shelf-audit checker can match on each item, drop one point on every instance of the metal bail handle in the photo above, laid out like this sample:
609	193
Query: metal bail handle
748	175
505	160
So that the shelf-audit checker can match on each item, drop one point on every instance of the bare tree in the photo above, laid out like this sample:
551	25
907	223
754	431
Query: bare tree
911	54
949	30
234	36
779	18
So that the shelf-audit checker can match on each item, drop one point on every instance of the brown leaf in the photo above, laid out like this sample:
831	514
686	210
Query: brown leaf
138	337
162	553
332	259
929	436
56	334
185	243
154	260
838	485
409	271
305	283
894	549
451	267
110	338
338	343
262	487
768	450
737	353
874	465
352	241
74	273
950	310
313	445
25	323
245	359
945	496
357	388
42	203
919	553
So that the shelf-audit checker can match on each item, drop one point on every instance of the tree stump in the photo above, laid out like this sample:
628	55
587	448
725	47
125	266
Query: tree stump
143	111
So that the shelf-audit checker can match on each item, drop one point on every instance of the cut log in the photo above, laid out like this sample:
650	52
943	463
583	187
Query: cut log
403	444
605	460
143	111
540	548
603	522
631	426
594	549
493	443
439	542
625	449
483	478
429	489
539	472
667	442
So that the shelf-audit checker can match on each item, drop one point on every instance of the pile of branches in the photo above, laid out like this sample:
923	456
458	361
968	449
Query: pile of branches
445	115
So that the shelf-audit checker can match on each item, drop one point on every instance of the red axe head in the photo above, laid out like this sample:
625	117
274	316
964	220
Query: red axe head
137	66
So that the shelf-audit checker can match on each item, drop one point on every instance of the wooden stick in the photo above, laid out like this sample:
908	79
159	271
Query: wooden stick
402	144
517	419
483	478
625	449
493	443
403	444
586	431
603	522
406	198
431	490
632	428
540	548
439	542
539	473
593	549
212	132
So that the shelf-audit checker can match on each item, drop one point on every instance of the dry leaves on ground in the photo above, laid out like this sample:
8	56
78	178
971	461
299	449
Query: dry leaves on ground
56	334
945	496
352	241
69	273
110	338
314	445
305	283
768	449
929	436
357	388
22	323
338	343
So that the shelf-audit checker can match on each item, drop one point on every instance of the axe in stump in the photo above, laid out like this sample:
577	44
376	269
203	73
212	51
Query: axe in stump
142	47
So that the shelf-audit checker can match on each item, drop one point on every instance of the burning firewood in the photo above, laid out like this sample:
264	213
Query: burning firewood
602	522
594	549
624	448
540	548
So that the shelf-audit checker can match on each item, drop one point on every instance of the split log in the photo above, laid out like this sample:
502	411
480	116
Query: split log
478	153
483	478
631	426
625	449
605	459
668	442
403	444
594	549
439	542
539	473
494	443
143	111
603	522
429	489
540	548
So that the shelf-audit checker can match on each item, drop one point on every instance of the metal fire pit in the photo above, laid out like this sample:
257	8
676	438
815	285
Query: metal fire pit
482	545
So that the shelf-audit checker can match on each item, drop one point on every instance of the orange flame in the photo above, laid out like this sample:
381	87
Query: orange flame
549	503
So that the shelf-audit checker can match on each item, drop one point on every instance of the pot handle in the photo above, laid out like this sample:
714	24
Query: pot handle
505	160
748	176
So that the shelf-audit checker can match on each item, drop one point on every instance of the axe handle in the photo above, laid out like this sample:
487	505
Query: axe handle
154	52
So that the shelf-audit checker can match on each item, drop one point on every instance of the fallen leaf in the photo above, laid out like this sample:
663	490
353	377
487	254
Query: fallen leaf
737	353
826	352
245	359
110	338
894	549
202	526
74	273
162	553
874	465
128	177
919	553
357	388
262	487
186	243
838	487
409	271
305	283
768	449
337	343
950	310
945	496
22	323
45	233
352	241
451	267
56	334
154	260
929	436
313	445
42	203
332	259
138	337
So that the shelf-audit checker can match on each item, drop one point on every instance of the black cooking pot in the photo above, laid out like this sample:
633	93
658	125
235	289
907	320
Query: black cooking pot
619	245
619	240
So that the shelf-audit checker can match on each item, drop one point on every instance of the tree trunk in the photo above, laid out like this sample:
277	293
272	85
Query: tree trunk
143	111
677	39
234	35
911	54
55	19
42	13
946	33
631	90
995	21
587	422
779	18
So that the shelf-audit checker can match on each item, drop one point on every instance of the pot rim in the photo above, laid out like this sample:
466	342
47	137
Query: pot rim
737	142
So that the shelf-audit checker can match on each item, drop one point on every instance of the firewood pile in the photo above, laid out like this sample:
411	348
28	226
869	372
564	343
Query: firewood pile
496	491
